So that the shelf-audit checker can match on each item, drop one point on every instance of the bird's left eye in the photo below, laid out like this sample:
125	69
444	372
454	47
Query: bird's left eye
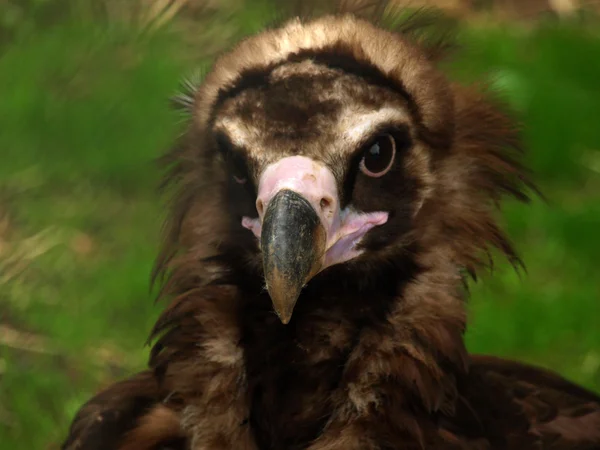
379	156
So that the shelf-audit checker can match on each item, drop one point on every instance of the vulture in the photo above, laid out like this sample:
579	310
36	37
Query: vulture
332	193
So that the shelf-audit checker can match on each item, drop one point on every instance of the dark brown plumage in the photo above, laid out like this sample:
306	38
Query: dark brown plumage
373	356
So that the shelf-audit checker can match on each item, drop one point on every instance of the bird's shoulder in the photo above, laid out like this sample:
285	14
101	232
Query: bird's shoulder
519	406
108	420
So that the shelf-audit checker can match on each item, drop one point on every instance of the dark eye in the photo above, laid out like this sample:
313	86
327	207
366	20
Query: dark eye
238	169
236	163
379	156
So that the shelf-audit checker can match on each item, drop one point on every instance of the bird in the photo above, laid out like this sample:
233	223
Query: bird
332	194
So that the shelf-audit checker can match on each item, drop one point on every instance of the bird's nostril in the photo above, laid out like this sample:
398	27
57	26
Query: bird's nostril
259	207
325	203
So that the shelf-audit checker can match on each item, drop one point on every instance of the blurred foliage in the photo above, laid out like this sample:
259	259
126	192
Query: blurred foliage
84	113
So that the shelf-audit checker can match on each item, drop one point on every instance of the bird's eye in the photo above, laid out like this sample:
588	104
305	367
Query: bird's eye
379	156
239	170
233	158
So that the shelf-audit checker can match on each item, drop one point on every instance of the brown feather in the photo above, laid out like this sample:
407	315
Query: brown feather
159	427
105	420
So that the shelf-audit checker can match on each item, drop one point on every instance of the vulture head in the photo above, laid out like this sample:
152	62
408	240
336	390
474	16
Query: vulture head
335	151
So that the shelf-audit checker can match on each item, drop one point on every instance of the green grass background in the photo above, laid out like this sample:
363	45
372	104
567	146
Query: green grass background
83	111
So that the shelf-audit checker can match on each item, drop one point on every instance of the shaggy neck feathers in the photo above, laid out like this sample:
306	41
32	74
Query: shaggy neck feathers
405	318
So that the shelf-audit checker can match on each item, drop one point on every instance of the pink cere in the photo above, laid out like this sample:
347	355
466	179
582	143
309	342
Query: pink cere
345	228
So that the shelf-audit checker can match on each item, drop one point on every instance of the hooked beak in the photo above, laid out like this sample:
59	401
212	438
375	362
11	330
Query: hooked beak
293	244
301	228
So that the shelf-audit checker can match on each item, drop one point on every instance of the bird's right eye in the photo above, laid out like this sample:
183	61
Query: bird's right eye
234	159
378	156
238	168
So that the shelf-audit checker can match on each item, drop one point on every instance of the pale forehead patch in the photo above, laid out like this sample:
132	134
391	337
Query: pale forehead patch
353	127
239	132
307	67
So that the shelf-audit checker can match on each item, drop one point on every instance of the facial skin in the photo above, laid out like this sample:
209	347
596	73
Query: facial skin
301	227
325	168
